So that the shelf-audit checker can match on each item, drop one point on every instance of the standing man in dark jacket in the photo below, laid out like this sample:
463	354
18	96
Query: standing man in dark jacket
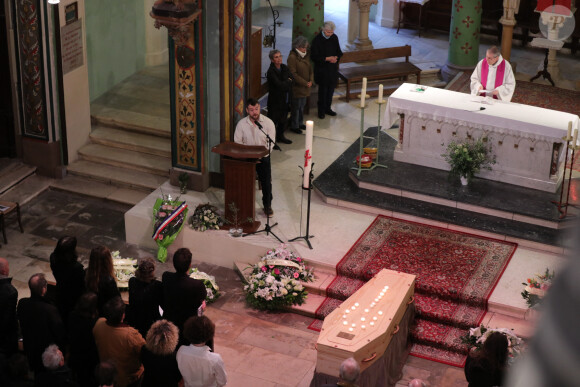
325	54
182	295
8	321
279	94
40	322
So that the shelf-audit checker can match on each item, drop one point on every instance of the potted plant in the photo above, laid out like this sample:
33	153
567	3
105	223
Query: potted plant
236	230
183	181
468	157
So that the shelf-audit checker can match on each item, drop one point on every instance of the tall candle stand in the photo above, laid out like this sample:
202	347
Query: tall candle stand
309	189
574	148
563	207
359	168
376	162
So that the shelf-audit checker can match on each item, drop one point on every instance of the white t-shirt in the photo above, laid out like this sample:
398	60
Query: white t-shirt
200	367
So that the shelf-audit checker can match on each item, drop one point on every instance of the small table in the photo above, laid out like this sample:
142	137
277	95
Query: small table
421	3
5	209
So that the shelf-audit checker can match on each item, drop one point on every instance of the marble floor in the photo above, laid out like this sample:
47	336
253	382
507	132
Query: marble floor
277	349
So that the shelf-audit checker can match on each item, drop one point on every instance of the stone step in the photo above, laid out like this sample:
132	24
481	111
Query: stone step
131	121
119	177
27	189
138	142
12	172
127	159
89	187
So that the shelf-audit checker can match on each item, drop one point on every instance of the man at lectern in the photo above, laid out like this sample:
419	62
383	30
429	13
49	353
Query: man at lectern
254	129
493	76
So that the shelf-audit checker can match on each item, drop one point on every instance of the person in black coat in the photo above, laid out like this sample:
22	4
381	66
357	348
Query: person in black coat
8	320
158	356
83	355
69	275
40	322
486	367
279	94
57	374
100	276
325	52
183	296
145	296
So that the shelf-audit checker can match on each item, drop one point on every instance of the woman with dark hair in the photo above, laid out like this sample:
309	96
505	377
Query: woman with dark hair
145	296
83	356
486	367
100	277
69	275
158	355
197	364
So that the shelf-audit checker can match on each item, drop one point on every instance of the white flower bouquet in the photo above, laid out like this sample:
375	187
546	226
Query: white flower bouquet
213	290
124	269
478	335
275	282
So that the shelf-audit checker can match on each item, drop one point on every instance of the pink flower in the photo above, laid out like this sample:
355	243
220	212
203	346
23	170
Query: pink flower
276	271
162	214
160	237
264	268
298	259
271	266
296	275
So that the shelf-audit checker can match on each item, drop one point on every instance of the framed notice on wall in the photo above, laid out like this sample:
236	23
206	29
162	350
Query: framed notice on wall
71	13
71	42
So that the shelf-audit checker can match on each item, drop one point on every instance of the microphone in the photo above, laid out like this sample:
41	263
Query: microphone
276	147
258	124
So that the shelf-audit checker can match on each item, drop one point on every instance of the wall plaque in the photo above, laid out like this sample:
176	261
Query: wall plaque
71	41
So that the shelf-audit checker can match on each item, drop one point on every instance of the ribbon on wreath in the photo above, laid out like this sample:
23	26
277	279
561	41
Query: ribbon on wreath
169	219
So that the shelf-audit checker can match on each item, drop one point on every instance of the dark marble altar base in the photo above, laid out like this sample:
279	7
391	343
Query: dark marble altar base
340	182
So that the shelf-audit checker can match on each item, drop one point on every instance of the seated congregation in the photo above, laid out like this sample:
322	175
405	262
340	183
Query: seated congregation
86	335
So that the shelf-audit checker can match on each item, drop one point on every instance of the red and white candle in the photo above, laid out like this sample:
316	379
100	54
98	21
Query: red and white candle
308	153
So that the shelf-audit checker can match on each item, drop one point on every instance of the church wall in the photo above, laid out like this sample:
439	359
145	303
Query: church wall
275	3
213	74
116	44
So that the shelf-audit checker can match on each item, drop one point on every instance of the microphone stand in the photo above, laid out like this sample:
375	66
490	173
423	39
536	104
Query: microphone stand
267	229
307	236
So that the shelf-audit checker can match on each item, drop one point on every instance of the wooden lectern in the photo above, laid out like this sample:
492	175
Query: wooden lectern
240	180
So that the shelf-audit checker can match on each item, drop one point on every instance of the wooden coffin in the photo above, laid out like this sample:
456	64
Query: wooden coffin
362	327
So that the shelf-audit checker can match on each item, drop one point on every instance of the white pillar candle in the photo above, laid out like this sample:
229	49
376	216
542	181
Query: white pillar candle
381	92
308	154
363	93
569	130
575	137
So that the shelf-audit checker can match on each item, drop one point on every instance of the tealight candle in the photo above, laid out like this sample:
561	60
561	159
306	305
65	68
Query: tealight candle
372	305
380	312
356	304
381	294
350	329
353	307
344	322
347	311
372	324
362	319
353	325
344	316
375	318
363	327
376	300
366	310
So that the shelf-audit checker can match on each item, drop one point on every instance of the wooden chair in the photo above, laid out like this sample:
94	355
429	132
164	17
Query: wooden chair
5	209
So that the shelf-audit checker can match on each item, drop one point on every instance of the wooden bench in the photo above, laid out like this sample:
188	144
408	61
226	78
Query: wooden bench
379	70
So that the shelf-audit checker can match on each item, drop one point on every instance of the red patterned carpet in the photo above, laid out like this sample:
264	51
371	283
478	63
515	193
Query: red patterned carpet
529	93
456	273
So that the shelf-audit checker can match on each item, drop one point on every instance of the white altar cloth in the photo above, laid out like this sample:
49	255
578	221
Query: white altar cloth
523	136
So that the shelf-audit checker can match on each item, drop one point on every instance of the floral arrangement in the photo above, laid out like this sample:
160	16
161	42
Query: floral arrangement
536	288
477	337
213	291
275	282
205	217
124	269
469	157
169	216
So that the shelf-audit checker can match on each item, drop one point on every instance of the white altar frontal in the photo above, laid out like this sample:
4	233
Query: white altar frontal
526	140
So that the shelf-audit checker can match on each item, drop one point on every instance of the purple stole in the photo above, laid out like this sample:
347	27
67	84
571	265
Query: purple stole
498	75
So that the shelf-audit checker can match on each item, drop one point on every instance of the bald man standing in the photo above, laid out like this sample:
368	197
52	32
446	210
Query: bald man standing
8	321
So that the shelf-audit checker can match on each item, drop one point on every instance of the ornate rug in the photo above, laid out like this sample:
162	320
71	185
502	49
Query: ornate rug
529	93
456	273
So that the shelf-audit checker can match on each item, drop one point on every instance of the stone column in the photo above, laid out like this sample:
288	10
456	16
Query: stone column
387	14
363	42
508	21
463	38
308	18
353	24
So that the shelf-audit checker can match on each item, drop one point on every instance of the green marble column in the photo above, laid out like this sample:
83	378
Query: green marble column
308	18
463	37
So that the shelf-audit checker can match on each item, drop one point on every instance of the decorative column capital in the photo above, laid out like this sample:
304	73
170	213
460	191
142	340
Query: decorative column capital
365	5
510	8
178	16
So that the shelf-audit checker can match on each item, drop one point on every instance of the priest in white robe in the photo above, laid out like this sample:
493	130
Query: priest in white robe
494	75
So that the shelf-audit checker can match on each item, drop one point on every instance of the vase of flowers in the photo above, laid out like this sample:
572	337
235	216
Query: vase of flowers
275	282
213	291
206	217
466	158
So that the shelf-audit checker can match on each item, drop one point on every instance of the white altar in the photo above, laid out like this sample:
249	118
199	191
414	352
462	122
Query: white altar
526	140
